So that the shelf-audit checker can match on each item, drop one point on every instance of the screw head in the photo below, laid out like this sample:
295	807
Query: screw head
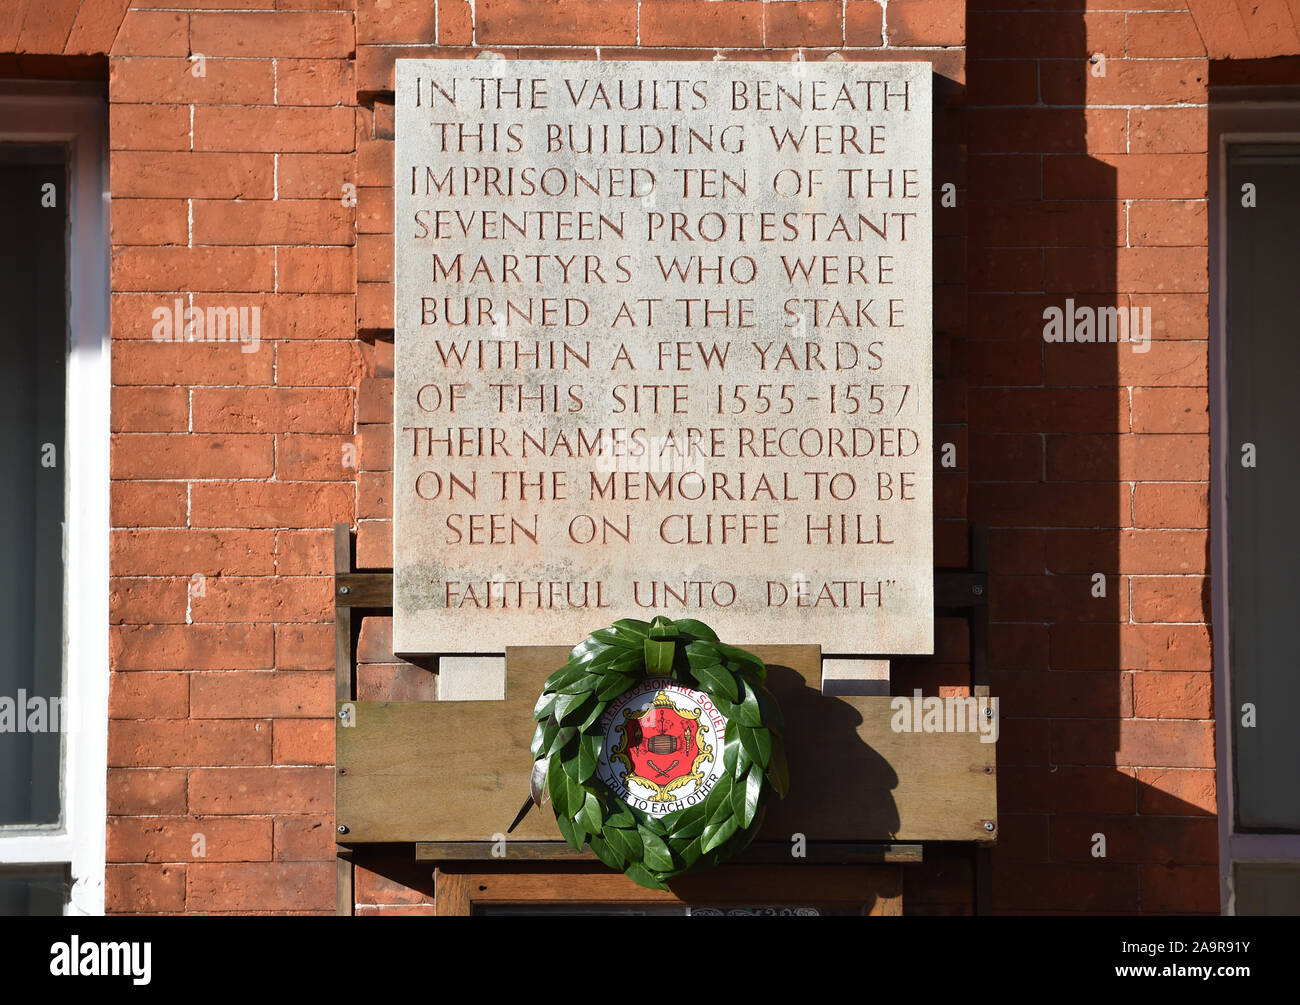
343	828
976	590
344	589
988	825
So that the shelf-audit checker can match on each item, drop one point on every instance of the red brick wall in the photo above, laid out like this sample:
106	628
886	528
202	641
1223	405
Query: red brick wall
229	468
1093	459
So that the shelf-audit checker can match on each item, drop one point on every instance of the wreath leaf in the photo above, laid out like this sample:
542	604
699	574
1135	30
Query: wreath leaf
653	849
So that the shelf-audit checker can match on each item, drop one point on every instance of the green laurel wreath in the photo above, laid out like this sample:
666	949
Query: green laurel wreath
567	745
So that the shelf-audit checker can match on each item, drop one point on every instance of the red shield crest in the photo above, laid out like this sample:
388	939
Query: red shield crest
663	744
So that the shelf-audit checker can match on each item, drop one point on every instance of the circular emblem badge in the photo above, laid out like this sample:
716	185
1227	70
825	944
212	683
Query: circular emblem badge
663	746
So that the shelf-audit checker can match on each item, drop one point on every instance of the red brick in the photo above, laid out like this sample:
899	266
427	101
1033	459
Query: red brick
311	457
1163	35
280	599
1134	552
270	504
192	455
314	82
173	839
1180	890
374	495
864	23
455	22
562	22
375	210
375	258
304	647
280	34
150	409
690	23
167	269
380	21
281	886
148	504
261	790
279	130
152	33
374	888
1001	81
1168	224
1167	364
1071	82
1065	789
222	81
285	221
147	127
185	552
1170	598
1044	35
266	695
375	400
374	306
319	364
375	640
147	790
165	742
1048	598
1177	791
1160	695
190	647
316	270
374	544
1141	742
191	175
813	22
1046	130
95	27
1144	840
148	696
144	889
147	601
309	839
149	221
395	682
220	361
305	741
315	176
1166	457
376	443
304	552
1126	176
1077	694
1168	130
1172	506
283	410
1171	410
927	22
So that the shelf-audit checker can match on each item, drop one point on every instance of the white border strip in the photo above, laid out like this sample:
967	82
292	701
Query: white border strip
77	115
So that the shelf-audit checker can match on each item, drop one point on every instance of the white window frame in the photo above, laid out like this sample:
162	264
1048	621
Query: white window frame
76	116
1263	117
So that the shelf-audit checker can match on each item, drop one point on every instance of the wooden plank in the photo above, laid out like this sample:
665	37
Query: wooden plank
877	889
439	772
342	617
363	589
343	870
828	852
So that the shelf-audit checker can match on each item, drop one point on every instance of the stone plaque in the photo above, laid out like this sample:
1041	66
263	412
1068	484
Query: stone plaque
663	348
